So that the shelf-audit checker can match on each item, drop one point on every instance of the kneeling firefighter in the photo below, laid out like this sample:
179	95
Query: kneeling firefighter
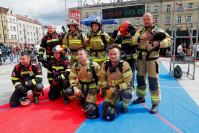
58	74
25	77
84	79
115	77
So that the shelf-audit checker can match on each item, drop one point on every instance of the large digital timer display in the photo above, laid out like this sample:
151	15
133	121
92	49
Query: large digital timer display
123	12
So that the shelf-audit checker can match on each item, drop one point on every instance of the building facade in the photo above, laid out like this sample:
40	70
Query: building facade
166	15
3	25
12	28
29	30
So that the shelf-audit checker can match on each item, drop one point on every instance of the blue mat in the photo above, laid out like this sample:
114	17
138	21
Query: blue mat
177	113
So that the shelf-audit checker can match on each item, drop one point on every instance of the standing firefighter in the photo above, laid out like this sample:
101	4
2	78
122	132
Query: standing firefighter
98	41
83	79
149	39
25	77
47	44
74	39
115	77
58	74
128	51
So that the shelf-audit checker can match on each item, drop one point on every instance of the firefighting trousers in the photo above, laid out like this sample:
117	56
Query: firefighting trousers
17	95
114	96
152	69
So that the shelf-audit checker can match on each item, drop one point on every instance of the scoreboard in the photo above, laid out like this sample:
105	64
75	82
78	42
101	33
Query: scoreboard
123	12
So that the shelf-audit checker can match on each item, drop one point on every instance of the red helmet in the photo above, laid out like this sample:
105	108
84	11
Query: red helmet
124	27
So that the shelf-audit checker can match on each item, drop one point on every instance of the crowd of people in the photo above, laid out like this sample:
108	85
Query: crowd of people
98	64
10	54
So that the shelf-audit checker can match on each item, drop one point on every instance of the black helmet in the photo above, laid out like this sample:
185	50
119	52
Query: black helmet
25	101
91	110
110	113
177	72
97	20
68	91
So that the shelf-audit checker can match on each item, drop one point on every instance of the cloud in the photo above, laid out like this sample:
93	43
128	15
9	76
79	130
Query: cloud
47	11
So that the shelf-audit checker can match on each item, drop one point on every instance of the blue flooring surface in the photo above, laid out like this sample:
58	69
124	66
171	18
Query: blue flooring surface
177	113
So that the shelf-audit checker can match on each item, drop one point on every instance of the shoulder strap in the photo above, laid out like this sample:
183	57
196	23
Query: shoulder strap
80	36
93	71
106	65
103	40
121	65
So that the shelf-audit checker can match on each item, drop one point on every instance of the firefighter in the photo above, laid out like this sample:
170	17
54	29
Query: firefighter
98	41
74	40
128	51
115	77
47	44
25	77
58	74
84	83
149	40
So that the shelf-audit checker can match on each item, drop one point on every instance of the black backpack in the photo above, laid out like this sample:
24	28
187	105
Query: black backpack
177	72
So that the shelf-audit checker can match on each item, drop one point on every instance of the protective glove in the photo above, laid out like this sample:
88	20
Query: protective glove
29	83
114	34
109	92
46	64
131	30
39	87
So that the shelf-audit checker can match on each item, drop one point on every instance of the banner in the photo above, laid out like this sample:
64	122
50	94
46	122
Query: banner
74	14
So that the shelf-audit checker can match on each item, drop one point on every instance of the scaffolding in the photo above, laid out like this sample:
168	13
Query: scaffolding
187	60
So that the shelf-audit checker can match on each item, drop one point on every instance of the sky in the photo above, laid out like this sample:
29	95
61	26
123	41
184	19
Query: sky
46	11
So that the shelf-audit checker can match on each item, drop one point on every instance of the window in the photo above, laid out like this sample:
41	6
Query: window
11	28
10	20
12	37
14	28
0	35
20	32
5	27
15	36
137	21
179	6
148	8
156	9
5	36
179	19
21	39
168	8
155	19
87	15
168	20
190	5
189	19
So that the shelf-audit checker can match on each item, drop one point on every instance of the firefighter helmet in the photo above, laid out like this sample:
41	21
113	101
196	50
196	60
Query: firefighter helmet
97	20
123	28
58	48
110	114
25	101
72	22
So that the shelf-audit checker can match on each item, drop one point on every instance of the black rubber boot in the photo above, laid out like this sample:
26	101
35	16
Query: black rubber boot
154	109
139	100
